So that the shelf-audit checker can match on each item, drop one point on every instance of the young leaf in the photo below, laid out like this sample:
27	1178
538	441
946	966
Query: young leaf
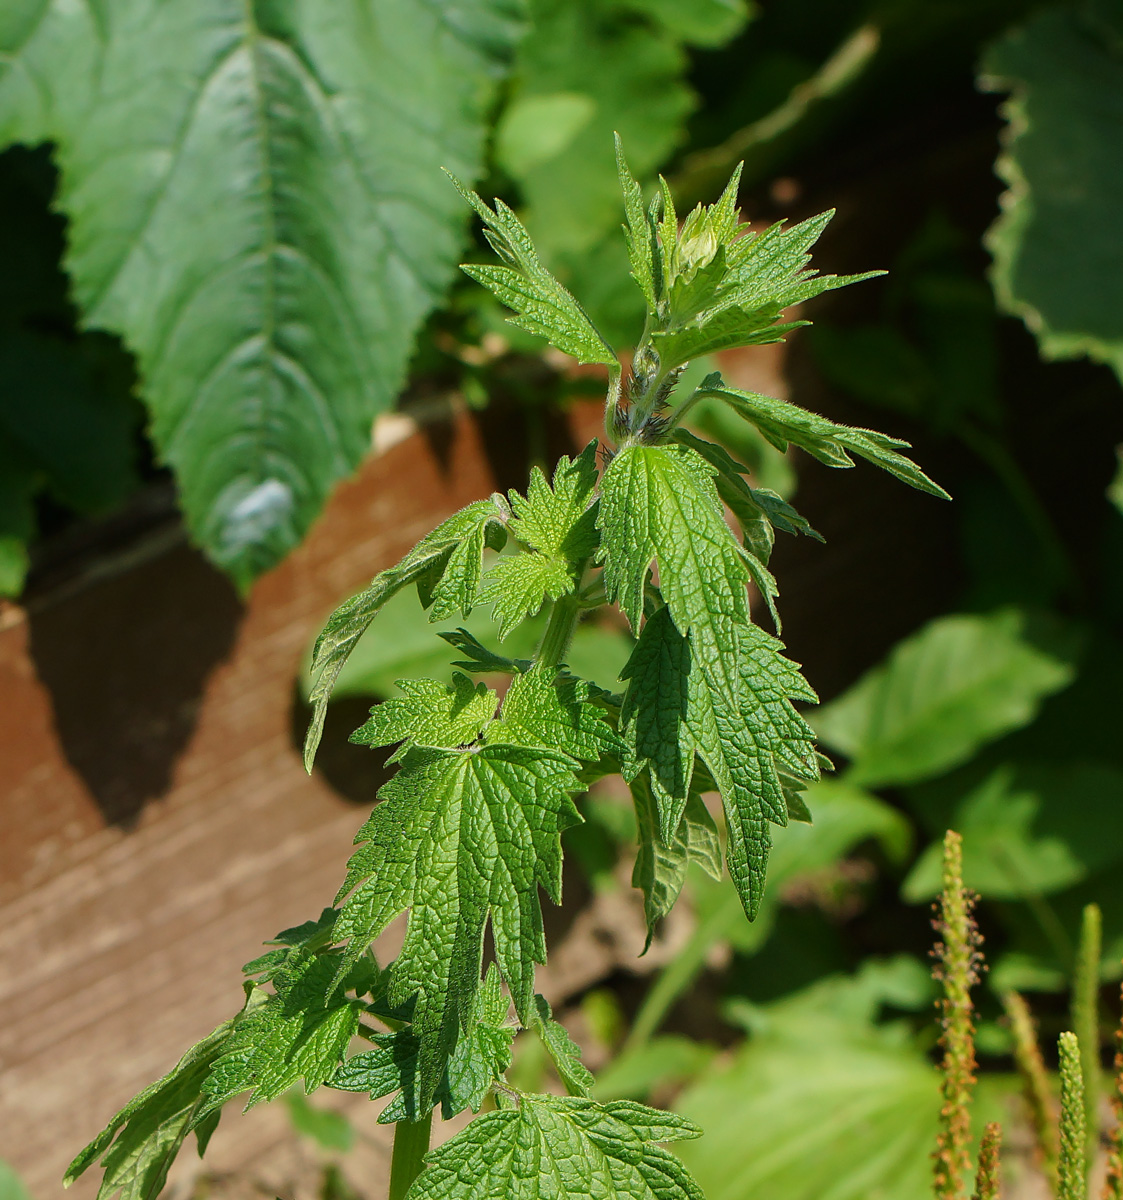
565	1148
429	714
481	1055
751	279
459	836
463	535
481	660
639	232
781	423
558	527
545	707
660	869
543	306
562	1049
138	1147
300	1032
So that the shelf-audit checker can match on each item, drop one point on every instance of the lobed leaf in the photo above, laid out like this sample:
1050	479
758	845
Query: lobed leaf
481	1055
301	1032
429	714
557	525
459	837
758	510
464	536
660	868
726	286
564	1052
659	503
546	707
562	1147
542	305
783	423
735	713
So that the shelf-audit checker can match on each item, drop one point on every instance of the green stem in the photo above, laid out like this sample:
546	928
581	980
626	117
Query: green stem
1086	1021
411	1144
559	631
612	402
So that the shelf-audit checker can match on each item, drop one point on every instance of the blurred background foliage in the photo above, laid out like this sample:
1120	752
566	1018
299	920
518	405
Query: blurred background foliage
971	669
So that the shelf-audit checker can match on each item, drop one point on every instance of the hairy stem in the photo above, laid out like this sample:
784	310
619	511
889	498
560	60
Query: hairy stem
987	1178
559	631
958	968
1071	1172
1086	1020
1035	1083
411	1144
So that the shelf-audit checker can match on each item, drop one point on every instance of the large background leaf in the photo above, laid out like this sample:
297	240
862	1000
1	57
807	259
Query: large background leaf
821	1103
950	688
1058	246
256	206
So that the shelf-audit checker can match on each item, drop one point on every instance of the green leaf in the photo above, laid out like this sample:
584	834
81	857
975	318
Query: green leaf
429	714
627	75
255	206
783	423
459	836
300	1032
305	939
700	22
463	535
542	305
561	1147
545	707
11	1186
822	1102
736	715
564	1052
329	1130
659	503
660	869
758	510
137	1148
1031	830
1057	243
726	286
481	1055
479	658
957	684
639	232
558	527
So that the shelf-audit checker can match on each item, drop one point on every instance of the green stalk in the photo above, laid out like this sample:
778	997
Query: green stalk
411	1144
1071	1171
559	631
1086	1020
